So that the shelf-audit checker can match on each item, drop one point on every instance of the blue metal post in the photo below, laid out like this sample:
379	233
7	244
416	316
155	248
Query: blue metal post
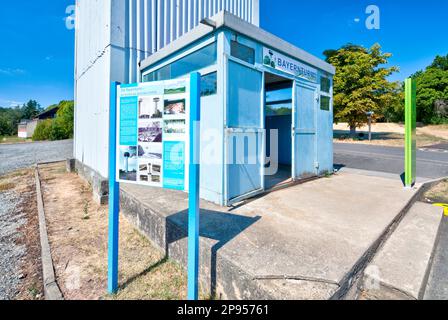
114	194
193	211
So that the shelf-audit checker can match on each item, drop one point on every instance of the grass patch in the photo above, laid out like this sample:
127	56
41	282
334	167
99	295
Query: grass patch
13	139
34	291
78	232
387	138
17	174
86	210
438	193
5	186
425	140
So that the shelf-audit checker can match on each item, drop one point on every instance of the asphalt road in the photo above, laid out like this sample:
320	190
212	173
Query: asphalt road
18	156
431	162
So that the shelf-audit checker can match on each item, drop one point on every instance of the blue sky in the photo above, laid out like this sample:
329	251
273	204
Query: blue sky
36	52
36	48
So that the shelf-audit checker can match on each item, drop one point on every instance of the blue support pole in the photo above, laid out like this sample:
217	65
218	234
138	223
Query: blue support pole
114	194
194	168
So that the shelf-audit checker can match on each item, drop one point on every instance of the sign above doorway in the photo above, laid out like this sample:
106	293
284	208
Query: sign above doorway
276	60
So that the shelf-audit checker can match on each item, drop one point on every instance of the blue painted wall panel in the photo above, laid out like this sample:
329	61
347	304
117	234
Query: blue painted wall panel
325	140
212	174
244	170
305	155
244	107
244	111
283	124
305	142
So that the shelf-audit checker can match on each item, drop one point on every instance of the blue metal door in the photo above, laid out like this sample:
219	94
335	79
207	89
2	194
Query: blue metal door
244	133
304	131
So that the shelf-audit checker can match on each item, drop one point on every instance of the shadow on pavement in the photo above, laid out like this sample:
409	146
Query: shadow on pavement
219	226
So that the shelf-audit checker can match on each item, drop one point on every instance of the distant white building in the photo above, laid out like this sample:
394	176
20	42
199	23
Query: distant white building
26	128
112	38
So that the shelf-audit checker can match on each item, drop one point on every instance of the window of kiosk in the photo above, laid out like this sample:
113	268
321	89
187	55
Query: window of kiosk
195	61
325	97
242	52
209	84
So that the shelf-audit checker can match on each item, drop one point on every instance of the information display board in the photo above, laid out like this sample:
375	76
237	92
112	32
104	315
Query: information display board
152	133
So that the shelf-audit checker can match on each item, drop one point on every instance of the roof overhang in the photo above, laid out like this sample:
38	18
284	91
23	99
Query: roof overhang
232	22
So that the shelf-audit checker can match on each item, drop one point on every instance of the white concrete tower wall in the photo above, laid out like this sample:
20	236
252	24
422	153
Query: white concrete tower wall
112	37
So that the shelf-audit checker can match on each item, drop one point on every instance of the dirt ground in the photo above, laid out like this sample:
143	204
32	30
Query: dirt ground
21	184
77	230
438	193
392	134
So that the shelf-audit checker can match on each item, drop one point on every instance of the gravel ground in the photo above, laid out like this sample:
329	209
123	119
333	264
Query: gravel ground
23	155
11	253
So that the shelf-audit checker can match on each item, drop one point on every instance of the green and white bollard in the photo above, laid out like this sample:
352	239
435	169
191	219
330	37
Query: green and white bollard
410	166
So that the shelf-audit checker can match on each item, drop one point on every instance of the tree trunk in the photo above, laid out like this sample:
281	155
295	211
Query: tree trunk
352	131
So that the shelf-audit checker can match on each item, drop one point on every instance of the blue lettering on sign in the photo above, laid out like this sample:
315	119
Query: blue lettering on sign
174	165
296	69
128	121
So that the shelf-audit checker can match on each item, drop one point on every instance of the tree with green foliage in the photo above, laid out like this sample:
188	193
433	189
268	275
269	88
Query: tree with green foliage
360	83
440	62
6	128
31	109
66	118
59	128
432	92
9	119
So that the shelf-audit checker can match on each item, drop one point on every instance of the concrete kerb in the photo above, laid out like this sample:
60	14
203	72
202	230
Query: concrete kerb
51	288
138	213
428	185
153	224
353	277
429	267
234	283
356	281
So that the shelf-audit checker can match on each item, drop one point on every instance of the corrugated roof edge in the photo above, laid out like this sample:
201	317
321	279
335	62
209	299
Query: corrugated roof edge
230	21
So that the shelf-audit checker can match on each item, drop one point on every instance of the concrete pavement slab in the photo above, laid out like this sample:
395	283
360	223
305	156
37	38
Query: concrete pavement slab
400	269
437	288
304	242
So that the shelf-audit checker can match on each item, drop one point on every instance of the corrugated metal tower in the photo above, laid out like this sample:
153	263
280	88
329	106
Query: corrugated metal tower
112	37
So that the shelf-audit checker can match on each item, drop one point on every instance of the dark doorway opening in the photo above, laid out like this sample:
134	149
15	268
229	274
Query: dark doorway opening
278	116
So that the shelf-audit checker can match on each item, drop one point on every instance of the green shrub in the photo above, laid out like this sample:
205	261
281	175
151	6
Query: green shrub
65	118
57	131
59	128
42	131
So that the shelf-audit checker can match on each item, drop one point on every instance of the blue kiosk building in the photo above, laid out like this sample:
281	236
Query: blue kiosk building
267	107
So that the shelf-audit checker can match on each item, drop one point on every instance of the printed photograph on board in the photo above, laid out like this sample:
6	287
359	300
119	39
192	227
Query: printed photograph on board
128	163
174	126
174	107
150	150
150	107
150	131
150	171
175	89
